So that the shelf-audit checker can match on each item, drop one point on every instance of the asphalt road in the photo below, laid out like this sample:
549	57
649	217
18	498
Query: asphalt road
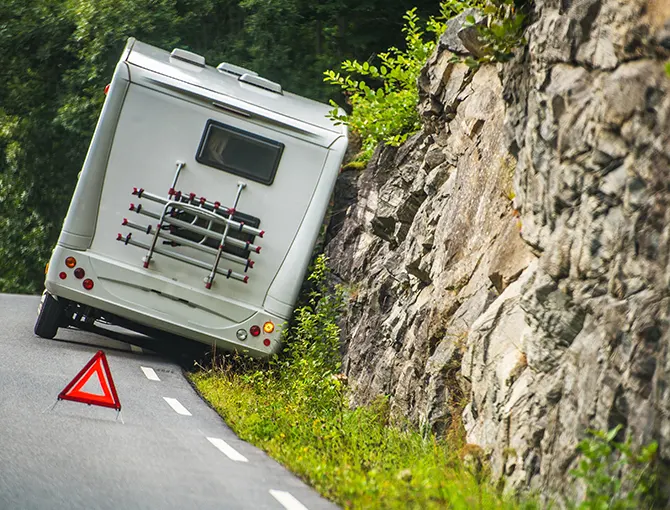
78	456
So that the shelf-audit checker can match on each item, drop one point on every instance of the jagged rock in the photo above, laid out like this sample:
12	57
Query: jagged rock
452	38
550	290
432	281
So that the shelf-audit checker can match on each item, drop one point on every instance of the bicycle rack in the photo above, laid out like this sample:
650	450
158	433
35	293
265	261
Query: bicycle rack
177	203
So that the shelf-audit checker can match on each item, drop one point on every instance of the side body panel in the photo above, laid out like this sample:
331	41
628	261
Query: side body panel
79	225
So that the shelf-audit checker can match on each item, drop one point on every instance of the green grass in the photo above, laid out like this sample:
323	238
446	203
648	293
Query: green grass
295	408
353	457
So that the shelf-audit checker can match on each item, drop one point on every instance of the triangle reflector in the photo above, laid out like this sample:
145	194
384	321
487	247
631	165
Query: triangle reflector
99	367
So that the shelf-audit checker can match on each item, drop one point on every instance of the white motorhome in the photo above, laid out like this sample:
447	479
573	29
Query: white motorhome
198	205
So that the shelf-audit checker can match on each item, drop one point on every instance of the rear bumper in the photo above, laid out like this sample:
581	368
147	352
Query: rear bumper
154	301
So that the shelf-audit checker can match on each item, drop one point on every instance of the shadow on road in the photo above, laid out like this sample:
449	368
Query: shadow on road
185	353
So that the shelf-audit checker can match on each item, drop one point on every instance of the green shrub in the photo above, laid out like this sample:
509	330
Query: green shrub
384	97
451	8
310	364
501	33
604	460
385	109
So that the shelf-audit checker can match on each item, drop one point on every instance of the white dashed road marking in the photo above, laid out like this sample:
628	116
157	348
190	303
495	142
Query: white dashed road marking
176	405
287	500
150	373
227	450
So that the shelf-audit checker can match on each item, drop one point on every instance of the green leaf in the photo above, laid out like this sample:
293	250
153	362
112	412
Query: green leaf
613	433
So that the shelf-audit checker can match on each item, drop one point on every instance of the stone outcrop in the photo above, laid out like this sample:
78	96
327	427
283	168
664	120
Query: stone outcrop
513	257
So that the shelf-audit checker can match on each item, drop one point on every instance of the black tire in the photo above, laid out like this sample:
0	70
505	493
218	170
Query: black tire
50	316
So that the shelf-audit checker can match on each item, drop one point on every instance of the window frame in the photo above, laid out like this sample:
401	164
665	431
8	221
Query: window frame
241	133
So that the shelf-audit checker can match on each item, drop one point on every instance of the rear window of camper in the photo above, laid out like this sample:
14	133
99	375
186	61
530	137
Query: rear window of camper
239	152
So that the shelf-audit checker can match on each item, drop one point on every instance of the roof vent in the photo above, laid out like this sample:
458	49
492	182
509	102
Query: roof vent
261	83
188	56
233	69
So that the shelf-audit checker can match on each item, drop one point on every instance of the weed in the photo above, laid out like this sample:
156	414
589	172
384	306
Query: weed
357	165
616	477
500	33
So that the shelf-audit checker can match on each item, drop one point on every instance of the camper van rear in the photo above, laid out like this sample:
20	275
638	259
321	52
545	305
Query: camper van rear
198	205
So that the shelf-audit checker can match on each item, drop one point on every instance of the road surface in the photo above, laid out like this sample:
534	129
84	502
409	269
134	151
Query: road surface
171	451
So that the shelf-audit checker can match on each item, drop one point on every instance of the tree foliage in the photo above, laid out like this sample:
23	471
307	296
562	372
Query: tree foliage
57	55
384	98
387	113
616	477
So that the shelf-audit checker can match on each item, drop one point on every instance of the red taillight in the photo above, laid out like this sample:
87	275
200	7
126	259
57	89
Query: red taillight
107	88
255	330
266	342
88	284
62	275
79	273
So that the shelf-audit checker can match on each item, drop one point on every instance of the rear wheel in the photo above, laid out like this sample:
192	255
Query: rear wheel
50	316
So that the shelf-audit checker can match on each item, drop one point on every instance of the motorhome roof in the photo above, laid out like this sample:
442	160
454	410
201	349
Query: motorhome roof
249	87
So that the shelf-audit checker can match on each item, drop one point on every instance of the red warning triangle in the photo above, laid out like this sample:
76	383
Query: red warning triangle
96	365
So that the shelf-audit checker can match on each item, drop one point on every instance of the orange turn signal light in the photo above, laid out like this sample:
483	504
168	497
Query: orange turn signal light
70	262
268	327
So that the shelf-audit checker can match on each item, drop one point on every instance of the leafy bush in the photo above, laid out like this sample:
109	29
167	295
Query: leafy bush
311	361
384	98
386	111
451	8
604	461
501	33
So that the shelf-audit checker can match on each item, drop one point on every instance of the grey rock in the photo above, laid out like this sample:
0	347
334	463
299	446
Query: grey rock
451	39
549	313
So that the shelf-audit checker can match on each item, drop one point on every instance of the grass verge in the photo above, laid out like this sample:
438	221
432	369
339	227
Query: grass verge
295	408
352	457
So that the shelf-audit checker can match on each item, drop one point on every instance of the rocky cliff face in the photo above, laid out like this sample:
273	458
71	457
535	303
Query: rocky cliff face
513	256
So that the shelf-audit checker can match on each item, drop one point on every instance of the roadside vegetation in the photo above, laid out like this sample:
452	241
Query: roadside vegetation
383	96
296	408
616	476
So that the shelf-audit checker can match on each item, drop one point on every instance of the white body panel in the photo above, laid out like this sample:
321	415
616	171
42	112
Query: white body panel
155	116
